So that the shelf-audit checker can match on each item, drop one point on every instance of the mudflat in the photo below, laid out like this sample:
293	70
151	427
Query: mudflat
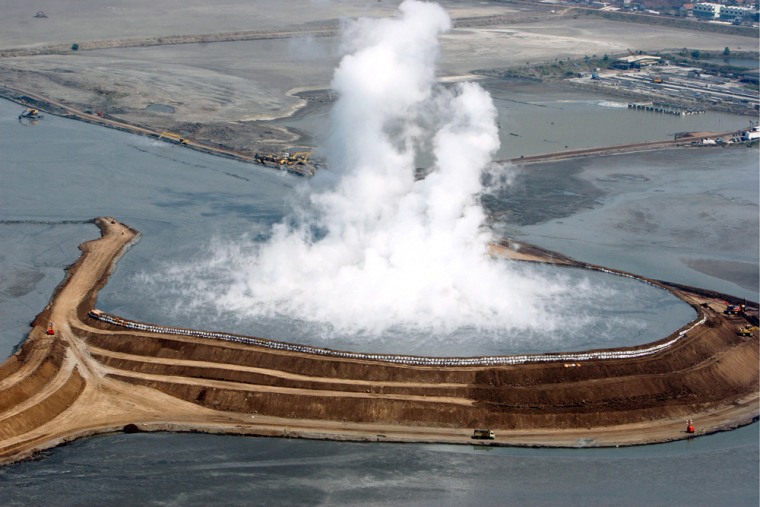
220	76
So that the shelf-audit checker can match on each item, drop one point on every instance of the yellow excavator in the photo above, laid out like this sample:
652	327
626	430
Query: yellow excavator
298	158
173	137
298	163
301	156
747	330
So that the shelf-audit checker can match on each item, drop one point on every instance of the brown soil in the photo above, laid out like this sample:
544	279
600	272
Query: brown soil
92	377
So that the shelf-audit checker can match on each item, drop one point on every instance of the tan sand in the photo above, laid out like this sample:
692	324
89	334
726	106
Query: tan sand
90	377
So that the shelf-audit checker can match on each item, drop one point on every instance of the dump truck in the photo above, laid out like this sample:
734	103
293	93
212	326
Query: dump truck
483	434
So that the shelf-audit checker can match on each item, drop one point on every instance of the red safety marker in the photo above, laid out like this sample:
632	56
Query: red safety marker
689	427
50	329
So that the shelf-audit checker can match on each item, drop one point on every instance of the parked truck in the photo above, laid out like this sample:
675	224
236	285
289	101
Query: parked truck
483	434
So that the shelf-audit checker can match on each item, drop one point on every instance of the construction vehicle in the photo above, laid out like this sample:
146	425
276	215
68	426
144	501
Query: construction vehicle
483	434
173	137
301	156
30	114
747	330
298	163
733	309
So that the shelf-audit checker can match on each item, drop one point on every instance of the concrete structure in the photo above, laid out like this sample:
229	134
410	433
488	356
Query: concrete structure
731	12
707	10
710	10
751	76
636	61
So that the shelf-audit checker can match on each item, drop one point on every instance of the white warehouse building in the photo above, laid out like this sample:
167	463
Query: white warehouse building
734	11
707	10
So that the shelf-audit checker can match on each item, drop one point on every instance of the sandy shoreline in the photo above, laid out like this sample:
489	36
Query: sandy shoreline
91	377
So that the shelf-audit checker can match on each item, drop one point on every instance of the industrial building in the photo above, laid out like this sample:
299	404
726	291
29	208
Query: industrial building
636	61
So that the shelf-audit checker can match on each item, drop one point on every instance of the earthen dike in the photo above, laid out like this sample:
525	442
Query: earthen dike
99	373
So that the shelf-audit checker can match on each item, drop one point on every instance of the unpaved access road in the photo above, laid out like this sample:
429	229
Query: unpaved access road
93	377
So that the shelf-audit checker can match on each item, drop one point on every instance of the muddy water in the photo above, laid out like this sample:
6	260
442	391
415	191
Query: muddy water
535	119
184	202
163	469
59	171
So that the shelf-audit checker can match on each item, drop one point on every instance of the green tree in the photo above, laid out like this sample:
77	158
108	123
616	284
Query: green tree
726	52
696	54
74	47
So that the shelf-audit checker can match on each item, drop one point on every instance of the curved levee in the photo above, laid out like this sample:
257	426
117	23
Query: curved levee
101	373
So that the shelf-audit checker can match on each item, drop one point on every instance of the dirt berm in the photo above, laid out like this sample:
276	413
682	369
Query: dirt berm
93	376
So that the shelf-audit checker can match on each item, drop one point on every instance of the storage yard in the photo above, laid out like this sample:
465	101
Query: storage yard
686	90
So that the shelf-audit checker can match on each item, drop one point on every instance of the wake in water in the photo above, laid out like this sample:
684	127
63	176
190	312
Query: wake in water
373	248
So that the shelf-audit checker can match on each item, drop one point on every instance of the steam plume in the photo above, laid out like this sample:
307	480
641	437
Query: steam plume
375	248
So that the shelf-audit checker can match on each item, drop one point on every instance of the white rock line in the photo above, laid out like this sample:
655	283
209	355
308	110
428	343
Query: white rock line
395	358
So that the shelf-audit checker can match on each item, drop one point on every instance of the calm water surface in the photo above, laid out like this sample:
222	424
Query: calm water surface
170	469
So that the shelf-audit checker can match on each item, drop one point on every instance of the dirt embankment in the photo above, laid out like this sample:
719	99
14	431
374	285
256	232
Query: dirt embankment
235	141
167	40
92	377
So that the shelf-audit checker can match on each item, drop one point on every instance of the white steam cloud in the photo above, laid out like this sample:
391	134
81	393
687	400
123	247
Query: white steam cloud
375	249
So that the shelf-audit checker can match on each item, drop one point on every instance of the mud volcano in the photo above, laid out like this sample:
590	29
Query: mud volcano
99	373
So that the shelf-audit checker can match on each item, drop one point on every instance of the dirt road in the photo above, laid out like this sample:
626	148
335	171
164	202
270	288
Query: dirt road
93	377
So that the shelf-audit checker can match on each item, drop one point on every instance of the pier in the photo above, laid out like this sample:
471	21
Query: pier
653	107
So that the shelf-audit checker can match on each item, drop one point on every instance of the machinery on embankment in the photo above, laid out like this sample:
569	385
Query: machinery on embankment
298	163
171	136
30	114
